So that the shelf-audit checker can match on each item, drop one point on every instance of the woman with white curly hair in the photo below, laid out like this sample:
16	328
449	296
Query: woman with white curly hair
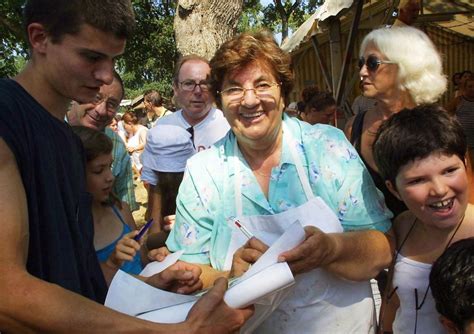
400	68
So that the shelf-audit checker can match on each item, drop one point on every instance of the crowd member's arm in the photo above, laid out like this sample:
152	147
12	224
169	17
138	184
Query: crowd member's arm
142	140
33	305
128	216
453	105
208	274
122	170
154	196
348	127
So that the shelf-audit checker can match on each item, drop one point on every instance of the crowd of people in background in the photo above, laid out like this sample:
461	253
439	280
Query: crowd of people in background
396	183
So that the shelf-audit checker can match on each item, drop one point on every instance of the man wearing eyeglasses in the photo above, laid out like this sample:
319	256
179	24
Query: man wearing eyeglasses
97	115
197	115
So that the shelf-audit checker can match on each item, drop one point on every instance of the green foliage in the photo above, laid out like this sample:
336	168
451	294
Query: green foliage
151	54
255	15
252	16
13	49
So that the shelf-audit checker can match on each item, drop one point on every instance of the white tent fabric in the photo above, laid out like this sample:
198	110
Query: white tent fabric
310	26
462	24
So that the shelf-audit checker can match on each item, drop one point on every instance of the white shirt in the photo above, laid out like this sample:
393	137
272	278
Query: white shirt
410	275
206	133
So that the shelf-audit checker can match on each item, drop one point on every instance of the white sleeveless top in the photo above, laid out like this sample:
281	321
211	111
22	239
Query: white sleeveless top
408	276
133	142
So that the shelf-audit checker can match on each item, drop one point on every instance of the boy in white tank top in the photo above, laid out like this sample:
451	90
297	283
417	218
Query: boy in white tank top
421	155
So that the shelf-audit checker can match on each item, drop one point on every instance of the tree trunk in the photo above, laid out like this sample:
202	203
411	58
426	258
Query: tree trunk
201	26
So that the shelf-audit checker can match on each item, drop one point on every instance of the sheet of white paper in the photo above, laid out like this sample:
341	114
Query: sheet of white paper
292	237
156	267
249	291
253	290
268	228
265	229
131	296
134	297
169	315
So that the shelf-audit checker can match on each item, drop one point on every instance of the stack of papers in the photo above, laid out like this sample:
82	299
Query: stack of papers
261	284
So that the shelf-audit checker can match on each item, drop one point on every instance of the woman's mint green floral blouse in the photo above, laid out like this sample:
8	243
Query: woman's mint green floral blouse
206	199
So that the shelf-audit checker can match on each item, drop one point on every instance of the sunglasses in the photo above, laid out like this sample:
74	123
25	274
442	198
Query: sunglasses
372	62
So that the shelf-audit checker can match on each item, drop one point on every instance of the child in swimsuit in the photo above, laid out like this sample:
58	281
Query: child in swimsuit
114	226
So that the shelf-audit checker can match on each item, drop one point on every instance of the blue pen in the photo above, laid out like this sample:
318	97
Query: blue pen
143	230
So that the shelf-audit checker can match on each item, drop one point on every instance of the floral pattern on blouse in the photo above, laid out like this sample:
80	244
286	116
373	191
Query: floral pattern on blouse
206	199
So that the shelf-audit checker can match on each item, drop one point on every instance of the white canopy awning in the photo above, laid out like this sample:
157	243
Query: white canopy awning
433	12
310	26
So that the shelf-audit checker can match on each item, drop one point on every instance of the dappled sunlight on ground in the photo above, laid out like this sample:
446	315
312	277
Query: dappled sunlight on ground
141	198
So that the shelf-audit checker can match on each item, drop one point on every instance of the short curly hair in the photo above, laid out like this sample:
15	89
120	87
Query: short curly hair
247	48
419	63
401	140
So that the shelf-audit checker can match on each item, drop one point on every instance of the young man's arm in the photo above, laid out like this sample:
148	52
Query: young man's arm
29	304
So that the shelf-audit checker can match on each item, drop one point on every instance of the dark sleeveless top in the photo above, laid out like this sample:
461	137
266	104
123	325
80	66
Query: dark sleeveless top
51	162
393	203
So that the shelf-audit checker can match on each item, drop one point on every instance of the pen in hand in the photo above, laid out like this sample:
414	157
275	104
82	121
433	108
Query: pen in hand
243	229
143	230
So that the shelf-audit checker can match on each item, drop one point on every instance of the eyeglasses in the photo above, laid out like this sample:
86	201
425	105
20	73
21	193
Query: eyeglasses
190	85
372	62
111	104
261	90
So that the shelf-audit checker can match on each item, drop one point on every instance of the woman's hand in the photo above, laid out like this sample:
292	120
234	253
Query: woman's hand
168	222
246	255
130	149
125	250
181	277
317	250
158	254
